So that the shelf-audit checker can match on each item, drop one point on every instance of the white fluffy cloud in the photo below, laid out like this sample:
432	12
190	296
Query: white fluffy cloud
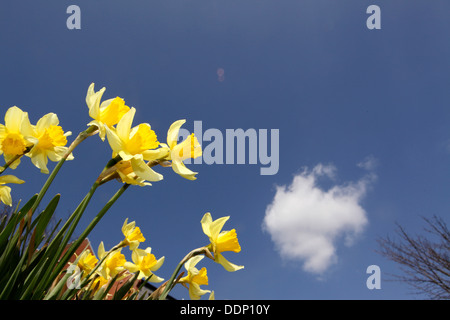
306	222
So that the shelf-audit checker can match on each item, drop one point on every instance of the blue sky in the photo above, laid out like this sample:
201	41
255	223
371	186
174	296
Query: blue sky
339	93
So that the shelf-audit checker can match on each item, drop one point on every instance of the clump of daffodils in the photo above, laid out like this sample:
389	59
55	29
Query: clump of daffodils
38	266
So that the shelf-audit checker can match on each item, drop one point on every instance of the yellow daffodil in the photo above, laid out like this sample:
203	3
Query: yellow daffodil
188	148
221	241
134	145
106	114
133	235
113	263
5	191
15	135
145	263
195	278
51	141
87	262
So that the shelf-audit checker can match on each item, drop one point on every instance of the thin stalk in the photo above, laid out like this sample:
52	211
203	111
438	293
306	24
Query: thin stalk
81	137
171	282
10	162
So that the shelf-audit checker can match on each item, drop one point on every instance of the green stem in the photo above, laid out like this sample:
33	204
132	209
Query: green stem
170	284
79	213
81	137
10	162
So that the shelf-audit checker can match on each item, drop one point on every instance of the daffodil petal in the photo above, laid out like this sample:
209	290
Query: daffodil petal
216	226
156	154
195	292
191	263
142	170
10	179
50	119
154	278
183	171
26	129
93	101
13	119
101	250
114	140
172	133
9	157
123	128
158	264
131	267
226	264
206	223
39	159
5	195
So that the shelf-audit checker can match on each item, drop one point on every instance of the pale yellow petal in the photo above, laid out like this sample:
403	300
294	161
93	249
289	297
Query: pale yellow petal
5	195
114	140
206	224
216	226
13	119
226	264
143	171
158	264
172	133
10	179
183	171
50	119
93	101
191	263
123	128
131	267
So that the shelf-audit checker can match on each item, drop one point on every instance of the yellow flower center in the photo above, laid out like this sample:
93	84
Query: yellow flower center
87	263
228	241
201	278
143	139
53	136
13	144
136	235
147	262
117	260
112	114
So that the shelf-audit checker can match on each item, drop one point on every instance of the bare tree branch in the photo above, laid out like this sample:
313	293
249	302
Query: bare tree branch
424	260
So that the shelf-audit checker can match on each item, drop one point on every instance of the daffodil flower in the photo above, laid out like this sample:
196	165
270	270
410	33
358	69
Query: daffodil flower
134	145
51	141
106	114
133	235
87	262
5	191
15	135
113	263
221	241
188	148
195	278
145	263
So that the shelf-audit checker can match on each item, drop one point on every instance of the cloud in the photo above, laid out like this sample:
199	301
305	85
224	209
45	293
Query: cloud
306	222
369	163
